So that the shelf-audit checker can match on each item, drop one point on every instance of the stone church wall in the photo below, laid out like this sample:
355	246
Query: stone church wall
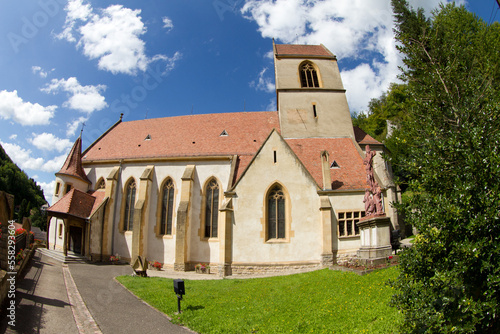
302	245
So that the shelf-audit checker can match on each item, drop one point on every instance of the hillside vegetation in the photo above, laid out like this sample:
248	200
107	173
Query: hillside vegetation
28	196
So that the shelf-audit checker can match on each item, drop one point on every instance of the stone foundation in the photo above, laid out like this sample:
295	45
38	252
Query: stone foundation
327	260
249	269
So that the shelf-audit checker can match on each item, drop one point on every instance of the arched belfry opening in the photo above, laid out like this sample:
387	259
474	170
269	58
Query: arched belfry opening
308	75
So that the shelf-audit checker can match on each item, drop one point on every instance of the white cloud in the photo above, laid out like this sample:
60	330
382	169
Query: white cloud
25	113
13	137
114	38
23	158
76	11
349	28
272	105
83	98
48	189
111	35
171	61
263	83
167	23
73	126
49	142
55	164
40	71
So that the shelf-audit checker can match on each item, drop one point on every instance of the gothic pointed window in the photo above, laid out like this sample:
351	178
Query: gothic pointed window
167	208
128	219
211	208
308	75
101	184
276	213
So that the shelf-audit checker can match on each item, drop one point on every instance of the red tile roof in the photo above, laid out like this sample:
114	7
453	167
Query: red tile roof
200	135
186	136
73	164
351	174
75	203
99	195
302	50
363	138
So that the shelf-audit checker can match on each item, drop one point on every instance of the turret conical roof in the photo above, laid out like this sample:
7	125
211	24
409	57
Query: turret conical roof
73	164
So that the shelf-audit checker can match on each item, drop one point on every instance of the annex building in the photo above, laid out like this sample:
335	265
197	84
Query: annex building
243	191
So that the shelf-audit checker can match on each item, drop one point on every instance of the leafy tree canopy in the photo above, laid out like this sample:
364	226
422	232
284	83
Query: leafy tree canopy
27	194
390	106
448	144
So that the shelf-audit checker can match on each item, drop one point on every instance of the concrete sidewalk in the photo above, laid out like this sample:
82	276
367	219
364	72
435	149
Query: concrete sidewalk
81	298
41	299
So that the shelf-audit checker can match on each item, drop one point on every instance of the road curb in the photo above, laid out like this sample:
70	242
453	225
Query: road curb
83	319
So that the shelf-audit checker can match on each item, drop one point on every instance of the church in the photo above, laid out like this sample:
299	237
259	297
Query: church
243	192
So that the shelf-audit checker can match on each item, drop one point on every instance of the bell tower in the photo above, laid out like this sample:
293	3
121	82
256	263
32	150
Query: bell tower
310	96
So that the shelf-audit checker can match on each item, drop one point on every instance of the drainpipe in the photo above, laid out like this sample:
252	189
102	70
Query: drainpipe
118	186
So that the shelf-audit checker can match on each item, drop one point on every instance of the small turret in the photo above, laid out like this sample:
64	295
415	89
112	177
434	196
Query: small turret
71	174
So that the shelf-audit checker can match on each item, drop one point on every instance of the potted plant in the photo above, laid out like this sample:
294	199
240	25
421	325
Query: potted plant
155	265
202	268
115	259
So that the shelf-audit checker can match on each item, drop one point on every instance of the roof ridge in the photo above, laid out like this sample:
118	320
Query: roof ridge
202	115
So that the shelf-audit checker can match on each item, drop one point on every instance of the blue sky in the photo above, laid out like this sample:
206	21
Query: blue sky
68	62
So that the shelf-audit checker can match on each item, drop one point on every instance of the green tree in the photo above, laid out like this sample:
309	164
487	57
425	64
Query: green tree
390	106
39	219
449	280
27	194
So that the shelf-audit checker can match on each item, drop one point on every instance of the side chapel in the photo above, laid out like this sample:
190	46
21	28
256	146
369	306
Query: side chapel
242	191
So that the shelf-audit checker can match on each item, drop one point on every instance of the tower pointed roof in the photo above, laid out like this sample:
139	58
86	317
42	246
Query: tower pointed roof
73	164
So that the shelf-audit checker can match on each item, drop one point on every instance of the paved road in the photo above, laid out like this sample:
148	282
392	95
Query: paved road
112	306
51	297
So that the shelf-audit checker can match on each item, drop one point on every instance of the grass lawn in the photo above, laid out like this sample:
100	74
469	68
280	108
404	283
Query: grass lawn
323	301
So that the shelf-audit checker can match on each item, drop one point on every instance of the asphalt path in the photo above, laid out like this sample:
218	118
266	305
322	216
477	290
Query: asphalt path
49	295
114	308
42	304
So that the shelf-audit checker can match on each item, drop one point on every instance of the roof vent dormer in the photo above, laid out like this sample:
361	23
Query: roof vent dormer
224	134
334	164
148	137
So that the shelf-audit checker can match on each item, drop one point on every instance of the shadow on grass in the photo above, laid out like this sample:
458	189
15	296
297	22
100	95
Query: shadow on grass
195	308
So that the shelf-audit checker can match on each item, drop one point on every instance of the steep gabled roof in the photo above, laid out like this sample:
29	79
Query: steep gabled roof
99	196
73	164
363	138
75	203
186	136
349	176
227	134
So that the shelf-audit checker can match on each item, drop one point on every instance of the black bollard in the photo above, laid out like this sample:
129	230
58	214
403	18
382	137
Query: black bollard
179	291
